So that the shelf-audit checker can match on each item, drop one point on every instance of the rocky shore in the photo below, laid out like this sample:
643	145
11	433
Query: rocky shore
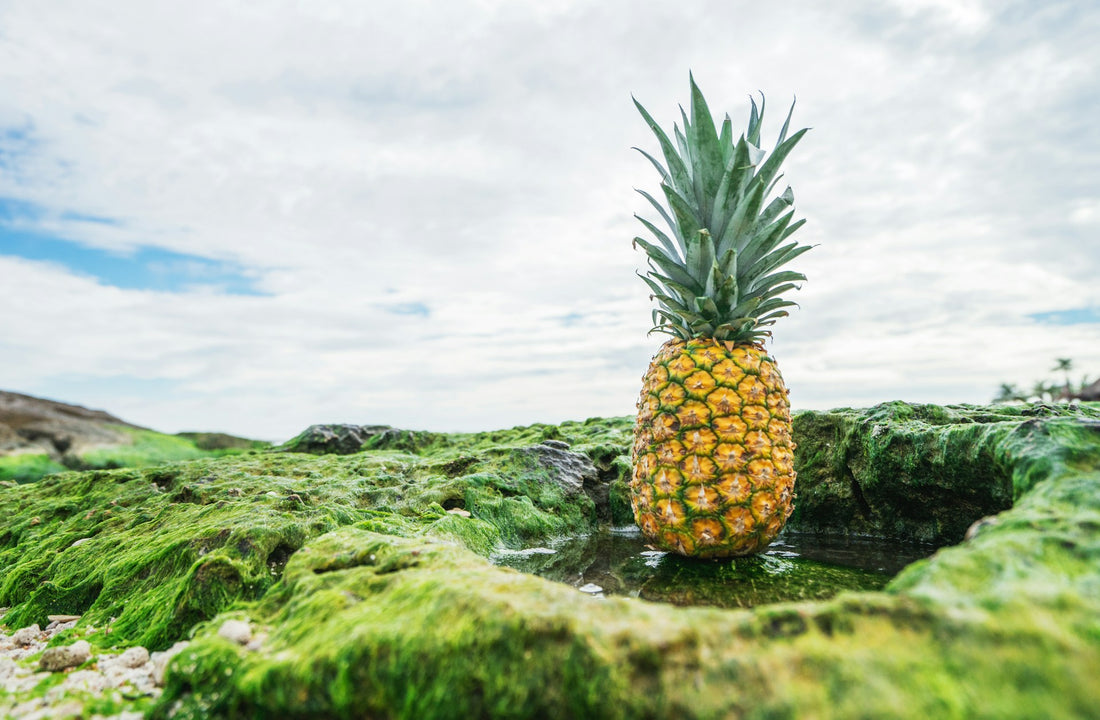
354	580
67	678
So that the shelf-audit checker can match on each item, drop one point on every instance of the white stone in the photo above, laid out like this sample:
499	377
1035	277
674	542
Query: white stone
135	657
86	681
238	631
26	636
257	642
160	661
60	658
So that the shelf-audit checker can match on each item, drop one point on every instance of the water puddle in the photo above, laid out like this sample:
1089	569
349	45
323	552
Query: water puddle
796	566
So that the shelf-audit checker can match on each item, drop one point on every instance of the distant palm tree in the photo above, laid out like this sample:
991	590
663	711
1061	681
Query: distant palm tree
1008	393
1064	366
1043	391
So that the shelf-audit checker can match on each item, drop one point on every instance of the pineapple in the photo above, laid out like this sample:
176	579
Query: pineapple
713	460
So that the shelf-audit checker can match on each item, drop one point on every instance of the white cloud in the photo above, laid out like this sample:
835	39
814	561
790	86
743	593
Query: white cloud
965	16
472	157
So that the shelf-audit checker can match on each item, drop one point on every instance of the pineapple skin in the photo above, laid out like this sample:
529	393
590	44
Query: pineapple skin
713	456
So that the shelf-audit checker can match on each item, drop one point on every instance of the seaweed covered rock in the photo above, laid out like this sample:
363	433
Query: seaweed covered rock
156	551
364	596
340	439
920	472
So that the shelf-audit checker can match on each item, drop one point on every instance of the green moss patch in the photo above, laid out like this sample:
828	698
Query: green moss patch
146	448
162	549
27	467
370	594
922	472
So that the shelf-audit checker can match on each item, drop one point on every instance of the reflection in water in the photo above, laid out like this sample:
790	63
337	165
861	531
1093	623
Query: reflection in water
795	567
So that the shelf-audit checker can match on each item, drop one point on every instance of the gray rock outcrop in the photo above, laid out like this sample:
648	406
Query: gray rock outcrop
36	425
335	439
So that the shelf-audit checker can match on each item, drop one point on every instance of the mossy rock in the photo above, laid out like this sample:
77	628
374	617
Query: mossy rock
376	601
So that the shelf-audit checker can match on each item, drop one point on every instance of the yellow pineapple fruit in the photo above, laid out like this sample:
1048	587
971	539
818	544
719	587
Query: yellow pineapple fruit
713	458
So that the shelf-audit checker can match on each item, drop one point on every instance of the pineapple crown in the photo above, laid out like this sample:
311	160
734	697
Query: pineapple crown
717	274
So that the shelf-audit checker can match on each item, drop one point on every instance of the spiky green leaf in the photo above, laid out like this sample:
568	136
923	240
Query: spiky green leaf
770	166
665	177
687	222
665	216
658	260
700	256
717	273
743	218
706	155
725	139
755	119
666	242
675	164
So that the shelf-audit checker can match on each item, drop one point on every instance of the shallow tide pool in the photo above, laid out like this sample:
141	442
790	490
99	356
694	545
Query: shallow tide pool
796	566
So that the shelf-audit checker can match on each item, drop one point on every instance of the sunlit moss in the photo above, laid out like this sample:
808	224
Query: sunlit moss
376	599
146	448
27	467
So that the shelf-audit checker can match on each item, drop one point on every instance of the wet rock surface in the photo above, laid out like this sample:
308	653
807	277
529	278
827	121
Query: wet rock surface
340	585
571	471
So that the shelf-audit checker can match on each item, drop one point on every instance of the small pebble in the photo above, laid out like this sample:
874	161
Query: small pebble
26	636
135	657
257	642
460	512
160	661
238	631
85	681
59	658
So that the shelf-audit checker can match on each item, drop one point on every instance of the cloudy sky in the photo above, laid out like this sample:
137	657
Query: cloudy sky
251	217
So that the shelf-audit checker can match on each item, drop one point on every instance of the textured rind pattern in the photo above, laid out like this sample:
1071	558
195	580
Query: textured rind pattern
713	460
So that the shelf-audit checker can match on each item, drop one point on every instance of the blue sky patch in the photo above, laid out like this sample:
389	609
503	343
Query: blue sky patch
410	308
1074	316
14	143
96	392
146	268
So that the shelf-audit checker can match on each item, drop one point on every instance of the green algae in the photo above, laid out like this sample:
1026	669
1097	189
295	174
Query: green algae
146	448
163	549
27	467
377	601
449	636
919	472
367	625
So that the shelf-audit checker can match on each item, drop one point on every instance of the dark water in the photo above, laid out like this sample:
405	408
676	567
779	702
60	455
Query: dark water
795	567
